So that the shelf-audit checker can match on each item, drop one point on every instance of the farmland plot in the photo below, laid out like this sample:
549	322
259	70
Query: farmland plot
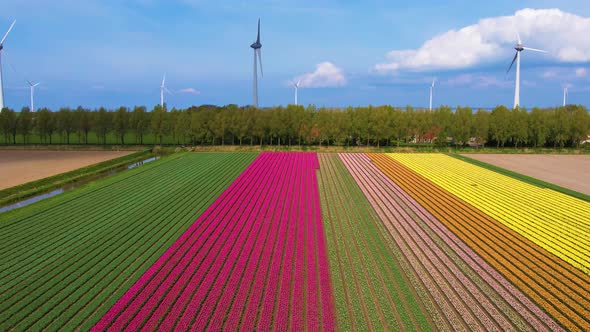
371	289
557	287
557	222
66	260
255	260
454	276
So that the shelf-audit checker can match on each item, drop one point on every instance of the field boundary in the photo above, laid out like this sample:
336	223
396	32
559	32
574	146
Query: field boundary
29	189
525	178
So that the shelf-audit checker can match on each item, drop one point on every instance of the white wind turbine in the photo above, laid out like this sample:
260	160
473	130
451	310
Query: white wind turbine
257	46
163	89
519	48
565	93
431	90
32	87
296	86
2	47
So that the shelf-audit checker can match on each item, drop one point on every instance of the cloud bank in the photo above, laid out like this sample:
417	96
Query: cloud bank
326	75
560	33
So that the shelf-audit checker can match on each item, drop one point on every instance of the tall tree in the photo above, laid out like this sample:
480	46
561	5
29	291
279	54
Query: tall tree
102	124
539	125
9	124
182	128
381	124
560	125
121	123
519	130
158	122
462	125
25	123
500	125
45	124
580	124
481	126
139	123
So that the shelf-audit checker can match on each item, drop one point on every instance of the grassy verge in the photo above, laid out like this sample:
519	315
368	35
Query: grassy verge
29	189
522	177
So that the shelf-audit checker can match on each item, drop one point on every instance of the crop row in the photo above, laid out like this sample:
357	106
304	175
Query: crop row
255	260
465	297
368	282
67	260
555	286
555	221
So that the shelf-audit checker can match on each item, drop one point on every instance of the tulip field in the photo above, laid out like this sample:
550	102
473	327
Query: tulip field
299	241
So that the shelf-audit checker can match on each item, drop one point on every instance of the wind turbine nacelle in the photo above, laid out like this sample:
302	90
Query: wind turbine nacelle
256	45
519	47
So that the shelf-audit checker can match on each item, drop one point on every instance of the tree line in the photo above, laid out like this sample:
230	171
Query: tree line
297	125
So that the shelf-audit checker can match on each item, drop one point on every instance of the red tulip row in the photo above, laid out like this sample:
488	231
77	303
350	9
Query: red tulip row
254	260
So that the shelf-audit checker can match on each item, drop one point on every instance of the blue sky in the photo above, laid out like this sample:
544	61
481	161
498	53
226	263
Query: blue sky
112	53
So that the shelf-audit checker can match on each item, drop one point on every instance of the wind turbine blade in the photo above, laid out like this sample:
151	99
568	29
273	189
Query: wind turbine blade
258	38
518	38
34	85
164	80
7	32
168	91
30	83
512	63
259	52
298	83
534	50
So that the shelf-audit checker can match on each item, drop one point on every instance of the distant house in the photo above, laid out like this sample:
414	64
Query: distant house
587	139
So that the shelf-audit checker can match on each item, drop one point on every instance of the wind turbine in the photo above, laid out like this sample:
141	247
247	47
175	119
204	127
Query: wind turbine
32	87
431	90
565	92
296	86
1	47
257	52
163	89
519	48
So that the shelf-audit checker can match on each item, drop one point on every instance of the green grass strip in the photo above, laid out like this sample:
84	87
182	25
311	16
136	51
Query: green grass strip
29	189
528	179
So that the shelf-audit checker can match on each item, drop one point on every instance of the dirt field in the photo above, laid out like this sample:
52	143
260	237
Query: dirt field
18	167
568	171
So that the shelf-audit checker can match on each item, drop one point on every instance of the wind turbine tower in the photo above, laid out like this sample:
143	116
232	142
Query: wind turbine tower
1	48
163	89
519	48
296	86
431	90
565	92
257	46
32	87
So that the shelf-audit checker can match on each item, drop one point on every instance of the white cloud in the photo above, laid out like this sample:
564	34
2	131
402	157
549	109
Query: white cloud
581	72
191	91
556	31
326	75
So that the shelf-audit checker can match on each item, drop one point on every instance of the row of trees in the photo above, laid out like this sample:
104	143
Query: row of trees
377	126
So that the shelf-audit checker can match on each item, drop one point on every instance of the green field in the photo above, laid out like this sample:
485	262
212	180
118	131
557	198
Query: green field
371	289
66	260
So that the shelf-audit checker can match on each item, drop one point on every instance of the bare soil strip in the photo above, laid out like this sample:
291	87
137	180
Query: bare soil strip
569	171
18	167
